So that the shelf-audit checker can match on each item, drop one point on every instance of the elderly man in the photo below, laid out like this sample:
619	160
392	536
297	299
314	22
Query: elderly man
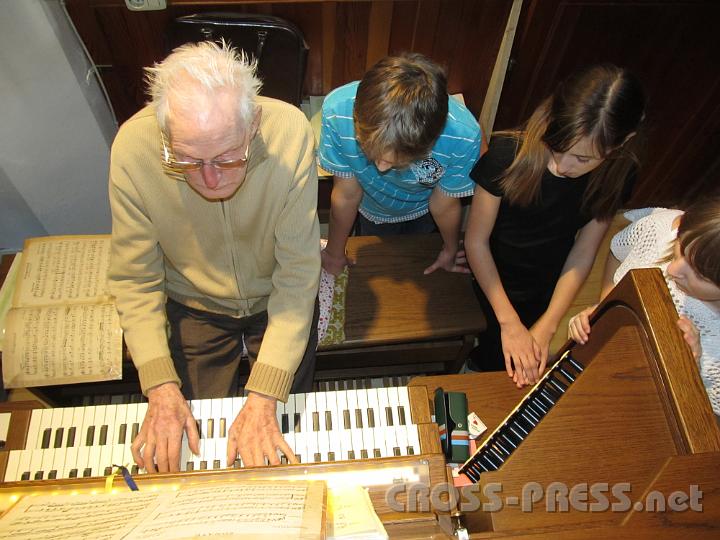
215	243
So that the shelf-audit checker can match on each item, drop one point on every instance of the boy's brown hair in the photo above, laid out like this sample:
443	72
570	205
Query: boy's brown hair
699	237
401	106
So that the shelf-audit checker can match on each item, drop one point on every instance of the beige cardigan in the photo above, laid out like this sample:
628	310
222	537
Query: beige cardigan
257	250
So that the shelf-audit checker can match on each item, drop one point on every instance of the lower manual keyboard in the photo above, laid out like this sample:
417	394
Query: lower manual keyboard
319	427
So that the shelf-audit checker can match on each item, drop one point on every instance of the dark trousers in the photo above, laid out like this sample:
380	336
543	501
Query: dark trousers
422	225
488	355
206	349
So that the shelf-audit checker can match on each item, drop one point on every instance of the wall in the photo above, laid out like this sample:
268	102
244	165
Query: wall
56	128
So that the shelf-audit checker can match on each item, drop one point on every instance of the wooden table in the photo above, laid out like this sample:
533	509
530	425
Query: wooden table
398	320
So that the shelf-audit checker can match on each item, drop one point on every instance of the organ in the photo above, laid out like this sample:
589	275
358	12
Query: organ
628	408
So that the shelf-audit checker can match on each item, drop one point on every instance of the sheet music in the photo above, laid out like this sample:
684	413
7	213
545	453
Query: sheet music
93	517
64	270
240	510
62	345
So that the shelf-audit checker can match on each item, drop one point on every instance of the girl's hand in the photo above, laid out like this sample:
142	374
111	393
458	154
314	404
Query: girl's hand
579	326
542	333
691	335
522	354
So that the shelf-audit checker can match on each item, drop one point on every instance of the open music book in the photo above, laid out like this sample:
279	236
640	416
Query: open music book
62	326
237	510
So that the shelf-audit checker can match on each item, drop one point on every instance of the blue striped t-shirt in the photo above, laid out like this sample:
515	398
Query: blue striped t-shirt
399	195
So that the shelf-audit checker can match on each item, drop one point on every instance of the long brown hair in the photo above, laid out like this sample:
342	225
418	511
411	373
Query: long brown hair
605	103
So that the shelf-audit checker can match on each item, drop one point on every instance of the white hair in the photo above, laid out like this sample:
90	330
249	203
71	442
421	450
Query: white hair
214	66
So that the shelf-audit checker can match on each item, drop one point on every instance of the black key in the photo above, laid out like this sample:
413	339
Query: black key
537	407
134	432
346	419
216	464
574	363
283	460
190	466
58	437
46	438
316	457
529	417
71	437
87	473
500	448
496	454
316	421
488	463
547	396
396	451
52	475
363	454
203	465
284	423
388	416
328	421
199	428
351	454
520	424
298	457
410	451
73	473
376	453
103	435
517	434
2	444
134	469
331	456
557	385
298	423
89	438
358	418
223	428
507	436
567	374
38	475
401	415
25	475
371	418
122	432
108	471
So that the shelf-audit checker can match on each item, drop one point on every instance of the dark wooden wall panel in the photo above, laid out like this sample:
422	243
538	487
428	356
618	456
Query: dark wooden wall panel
345	38
673	47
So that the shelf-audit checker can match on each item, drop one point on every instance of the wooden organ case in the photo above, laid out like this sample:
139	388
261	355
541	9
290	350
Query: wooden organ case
633	415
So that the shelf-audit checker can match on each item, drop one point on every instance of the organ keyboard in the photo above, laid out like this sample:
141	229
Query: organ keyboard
72	442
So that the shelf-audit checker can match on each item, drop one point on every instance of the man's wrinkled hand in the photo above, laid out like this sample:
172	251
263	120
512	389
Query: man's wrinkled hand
158	443
334	264
255	434
449	260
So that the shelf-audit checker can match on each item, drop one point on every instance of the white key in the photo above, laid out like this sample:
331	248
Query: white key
323	438
74	437
310	409
413	439
4	426
11	469
88	420
94	460
106	453
24	464
117	456
345	443
368	445
34	429
47	463
391	443
300	447
36	464
290	440
311	447
357	443
70	461
45	424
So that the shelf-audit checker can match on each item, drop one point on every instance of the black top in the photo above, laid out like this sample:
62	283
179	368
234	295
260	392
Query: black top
530	244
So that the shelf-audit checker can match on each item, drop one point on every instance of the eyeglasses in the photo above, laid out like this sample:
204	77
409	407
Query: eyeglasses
168	159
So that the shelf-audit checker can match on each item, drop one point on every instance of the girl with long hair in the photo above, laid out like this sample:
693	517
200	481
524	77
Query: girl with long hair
545	196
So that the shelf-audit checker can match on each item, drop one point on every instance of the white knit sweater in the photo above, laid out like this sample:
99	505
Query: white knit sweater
642	244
